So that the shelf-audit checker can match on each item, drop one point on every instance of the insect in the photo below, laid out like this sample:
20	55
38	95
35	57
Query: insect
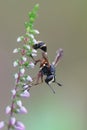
46	68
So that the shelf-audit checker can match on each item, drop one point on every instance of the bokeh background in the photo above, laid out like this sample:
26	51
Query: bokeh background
62	23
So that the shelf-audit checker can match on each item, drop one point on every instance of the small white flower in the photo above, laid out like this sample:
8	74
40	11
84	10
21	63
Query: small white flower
31	64
13	120
34	54
8	109
19	126
24	58
15	63
22	70
36	31
15	50
34	40
25	94
34	51
25	86
19	39
19	103
22	110
29	78
16	76
13	92
31	36
2	124
28	47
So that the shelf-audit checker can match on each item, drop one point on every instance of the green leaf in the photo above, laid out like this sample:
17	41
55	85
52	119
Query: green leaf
26	24
26	64
28	29
36	7
32	20
32	14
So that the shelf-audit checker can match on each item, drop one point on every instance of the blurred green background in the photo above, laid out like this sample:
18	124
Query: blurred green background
62	23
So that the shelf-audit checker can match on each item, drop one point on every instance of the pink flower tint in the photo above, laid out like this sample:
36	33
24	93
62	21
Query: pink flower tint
25	94
26	39
12	121
21	62
8	109
16	76
22	110
2	124
26	86
22	71
31	64
19	103
29	78
13	92
23	52
19	126
15	63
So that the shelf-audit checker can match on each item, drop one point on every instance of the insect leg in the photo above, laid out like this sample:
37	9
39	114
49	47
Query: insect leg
48	80
58	84
51	88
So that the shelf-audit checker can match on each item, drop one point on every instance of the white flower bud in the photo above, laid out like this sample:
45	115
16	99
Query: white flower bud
26	86
16	76
25	94
2	124
34	40
34	51
22	70
13	120
29	78
31	36
31	64
15	63
19	103
22	110
36	31
8	109
13	92
34	54
24	58
19	126
15	50
19	39
28	47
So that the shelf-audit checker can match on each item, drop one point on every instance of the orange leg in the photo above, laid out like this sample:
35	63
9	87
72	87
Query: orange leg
39	75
